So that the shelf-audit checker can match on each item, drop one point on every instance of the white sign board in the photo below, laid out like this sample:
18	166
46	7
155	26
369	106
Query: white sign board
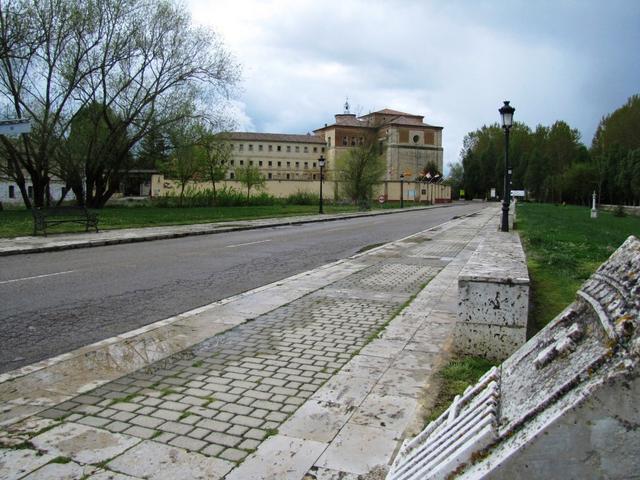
14	127
517	193
493	193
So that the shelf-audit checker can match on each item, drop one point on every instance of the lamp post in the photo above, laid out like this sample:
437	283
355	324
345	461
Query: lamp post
506	112
401	190
321	163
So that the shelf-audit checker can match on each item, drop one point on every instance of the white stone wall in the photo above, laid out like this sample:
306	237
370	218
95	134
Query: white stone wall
5	185
493	306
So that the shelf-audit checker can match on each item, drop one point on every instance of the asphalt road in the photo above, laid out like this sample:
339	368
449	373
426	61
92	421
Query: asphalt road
52	303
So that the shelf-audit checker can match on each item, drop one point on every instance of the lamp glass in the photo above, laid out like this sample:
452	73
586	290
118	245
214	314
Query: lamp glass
506	111
321	161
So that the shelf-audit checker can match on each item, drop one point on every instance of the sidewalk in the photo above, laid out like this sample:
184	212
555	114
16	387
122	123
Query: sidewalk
298	382
55	242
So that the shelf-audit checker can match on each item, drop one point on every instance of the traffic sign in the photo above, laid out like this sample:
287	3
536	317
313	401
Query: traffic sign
381	199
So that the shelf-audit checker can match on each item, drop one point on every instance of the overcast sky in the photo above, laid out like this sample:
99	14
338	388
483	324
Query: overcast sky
452	61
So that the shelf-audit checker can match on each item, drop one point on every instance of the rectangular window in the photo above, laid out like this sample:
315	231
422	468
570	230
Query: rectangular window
12	191
297	149
345	141
230	175
260	163
271	148
241	162
279	164
306	165
314	176
270	163
315	149
250	147
328	143
314	164
288	148
259	148
353	141
279	148
297	164
288	164
231	162
241	147
322	149
306	149
233	146
288	176
251	162
270	176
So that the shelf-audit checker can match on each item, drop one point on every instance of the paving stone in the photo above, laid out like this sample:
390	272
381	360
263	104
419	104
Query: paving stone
148	422
165	414
117	427
255	434
175	427
223	439
18	463
94	421
155	461
215	425
266	405
175	406
126	406
82	443
280	457
66	471
187	443
239	409
212	450
123	416
140	432
233	454
246	421
276	416
224	416
249	444
237	430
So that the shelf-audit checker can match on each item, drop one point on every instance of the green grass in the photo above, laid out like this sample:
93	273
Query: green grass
564	246
454	378
19	222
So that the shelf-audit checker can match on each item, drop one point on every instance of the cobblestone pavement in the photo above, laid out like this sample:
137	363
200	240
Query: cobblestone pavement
199	413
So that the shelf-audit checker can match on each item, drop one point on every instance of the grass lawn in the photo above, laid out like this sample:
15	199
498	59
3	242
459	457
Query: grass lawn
564	246
454	378
19	222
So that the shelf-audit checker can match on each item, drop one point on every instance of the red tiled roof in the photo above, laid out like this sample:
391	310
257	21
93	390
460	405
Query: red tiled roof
275	137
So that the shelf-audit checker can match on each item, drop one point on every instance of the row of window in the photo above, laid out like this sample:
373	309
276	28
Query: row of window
280	176
278	148
270	163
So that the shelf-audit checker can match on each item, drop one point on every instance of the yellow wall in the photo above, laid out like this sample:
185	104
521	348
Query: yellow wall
412	191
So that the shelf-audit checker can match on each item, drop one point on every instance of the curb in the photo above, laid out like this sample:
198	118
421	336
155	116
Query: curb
222	229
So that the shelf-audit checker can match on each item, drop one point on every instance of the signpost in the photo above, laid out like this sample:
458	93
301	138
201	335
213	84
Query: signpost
517	193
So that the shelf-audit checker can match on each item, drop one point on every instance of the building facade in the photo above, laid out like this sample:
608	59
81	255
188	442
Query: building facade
278	156
407	143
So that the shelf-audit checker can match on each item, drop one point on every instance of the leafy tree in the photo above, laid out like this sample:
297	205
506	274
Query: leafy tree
154	149
429	173
217	154
140	61
186	163
250	177
358	170
455	179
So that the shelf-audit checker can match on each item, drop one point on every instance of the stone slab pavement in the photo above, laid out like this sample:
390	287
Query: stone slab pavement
56	242
319	376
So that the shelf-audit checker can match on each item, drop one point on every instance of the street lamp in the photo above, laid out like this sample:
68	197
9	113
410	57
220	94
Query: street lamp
321	163
506	112
401	190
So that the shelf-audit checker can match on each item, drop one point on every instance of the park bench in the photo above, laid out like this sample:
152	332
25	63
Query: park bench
49	216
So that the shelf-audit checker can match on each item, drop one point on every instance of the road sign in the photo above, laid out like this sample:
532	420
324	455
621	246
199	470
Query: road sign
517	193
381	199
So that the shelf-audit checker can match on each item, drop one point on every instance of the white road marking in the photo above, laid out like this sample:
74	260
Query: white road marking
37	276
249	243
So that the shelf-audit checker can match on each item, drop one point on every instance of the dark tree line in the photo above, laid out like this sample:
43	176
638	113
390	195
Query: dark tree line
96	79
552	163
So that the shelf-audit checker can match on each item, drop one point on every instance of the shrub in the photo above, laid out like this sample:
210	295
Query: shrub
302	198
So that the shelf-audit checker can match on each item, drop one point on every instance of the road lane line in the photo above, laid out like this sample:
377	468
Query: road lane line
249	243
37	276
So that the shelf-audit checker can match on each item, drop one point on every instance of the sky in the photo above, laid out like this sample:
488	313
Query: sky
454	62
